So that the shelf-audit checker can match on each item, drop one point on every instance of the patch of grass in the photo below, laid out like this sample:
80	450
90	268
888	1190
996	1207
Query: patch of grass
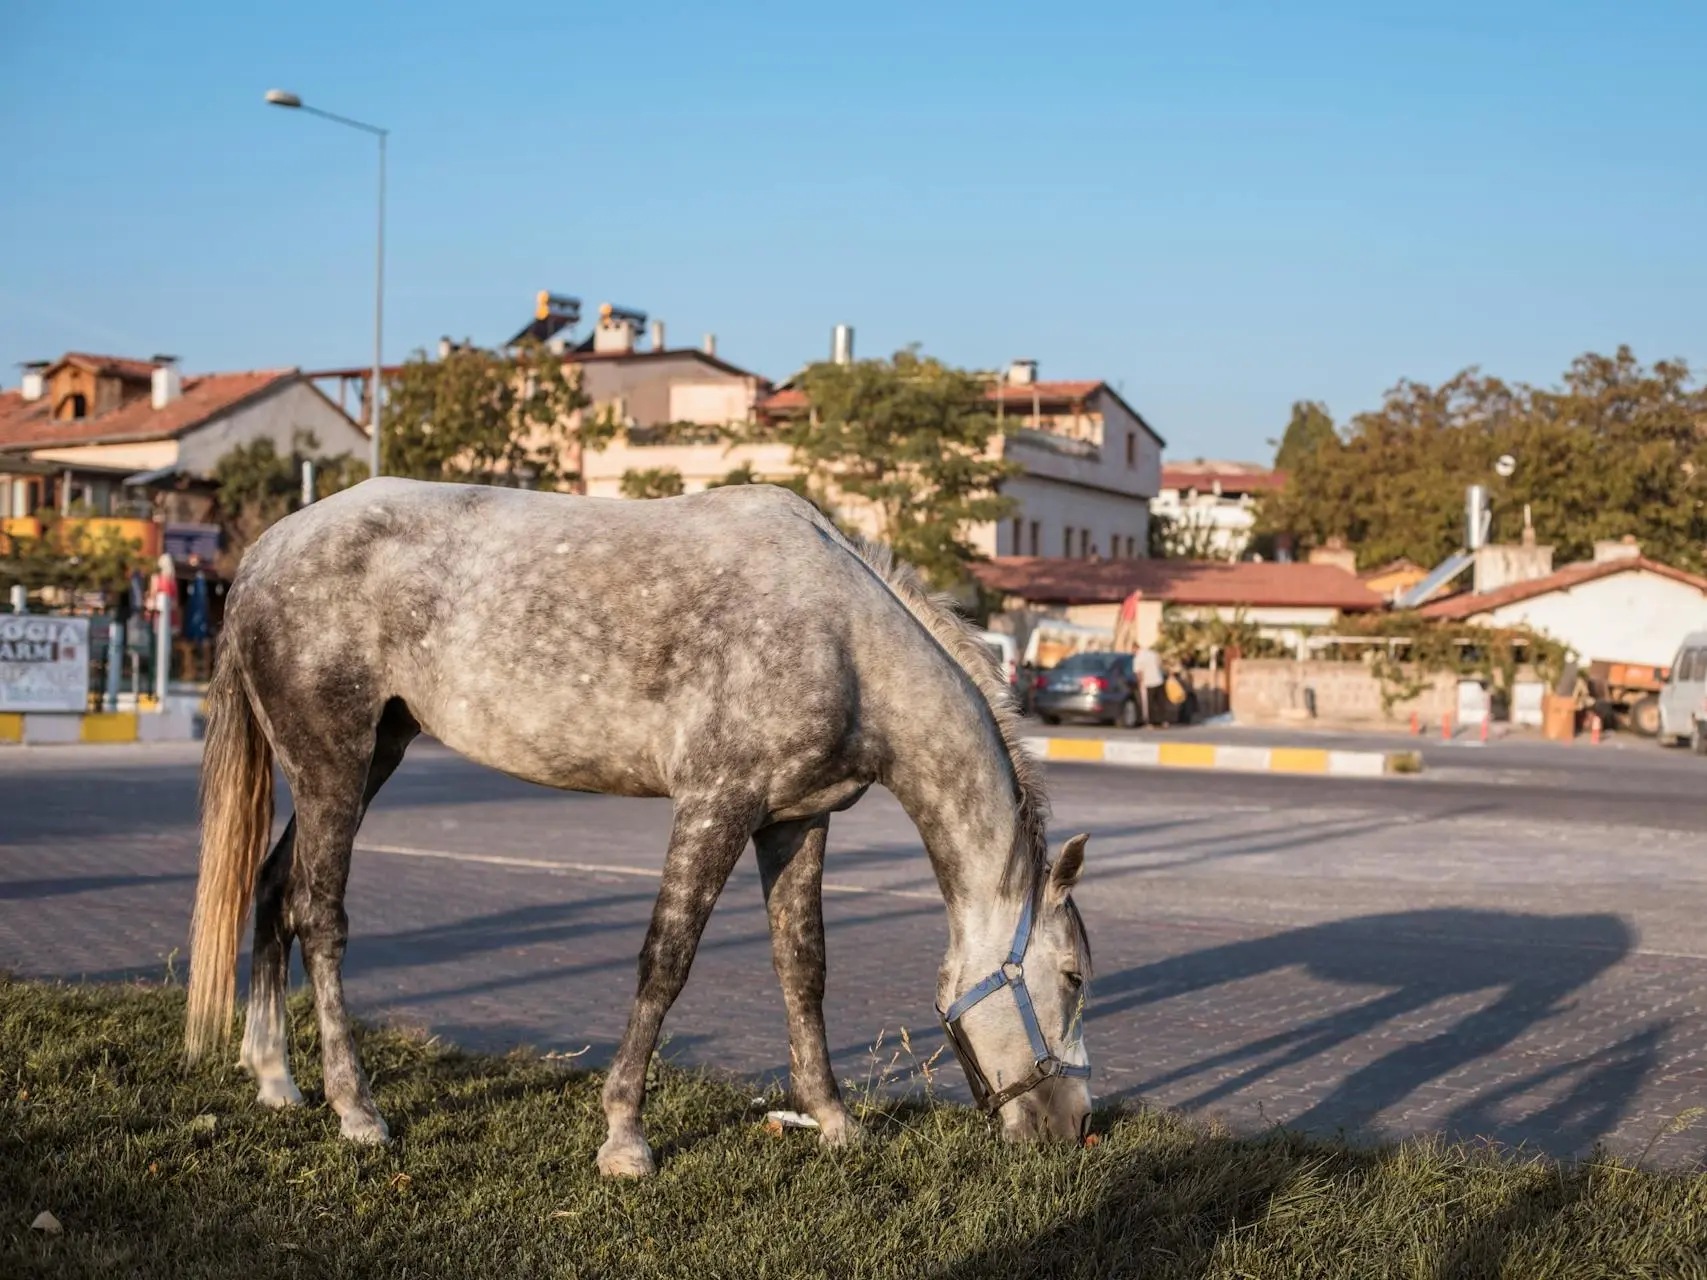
492	1175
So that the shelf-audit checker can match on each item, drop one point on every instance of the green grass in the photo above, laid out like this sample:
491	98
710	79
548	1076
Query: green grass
491	1176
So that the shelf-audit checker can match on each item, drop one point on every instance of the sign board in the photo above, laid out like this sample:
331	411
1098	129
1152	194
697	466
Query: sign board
184	541
44	663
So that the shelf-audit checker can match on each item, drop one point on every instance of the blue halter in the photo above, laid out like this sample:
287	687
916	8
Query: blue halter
1044	1062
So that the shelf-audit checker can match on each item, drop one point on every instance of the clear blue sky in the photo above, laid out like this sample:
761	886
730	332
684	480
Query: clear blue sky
1221	208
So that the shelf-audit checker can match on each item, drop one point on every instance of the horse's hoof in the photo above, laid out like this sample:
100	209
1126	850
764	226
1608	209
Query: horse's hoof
279	1093
365	1130
839	1130
626	1159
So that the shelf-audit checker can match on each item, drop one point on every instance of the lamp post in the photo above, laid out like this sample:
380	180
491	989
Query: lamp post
279	98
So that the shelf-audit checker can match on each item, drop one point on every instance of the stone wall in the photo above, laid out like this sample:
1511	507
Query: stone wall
1279	690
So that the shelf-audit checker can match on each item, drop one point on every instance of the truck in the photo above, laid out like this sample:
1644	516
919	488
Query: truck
1627	694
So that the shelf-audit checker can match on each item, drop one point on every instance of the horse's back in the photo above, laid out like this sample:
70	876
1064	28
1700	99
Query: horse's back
588	643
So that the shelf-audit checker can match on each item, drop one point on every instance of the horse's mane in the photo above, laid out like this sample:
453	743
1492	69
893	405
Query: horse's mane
936	612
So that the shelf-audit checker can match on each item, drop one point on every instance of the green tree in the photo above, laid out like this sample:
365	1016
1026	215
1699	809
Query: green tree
486	417
1618	448
259	486
651	482
1188	536
906	440
1311	428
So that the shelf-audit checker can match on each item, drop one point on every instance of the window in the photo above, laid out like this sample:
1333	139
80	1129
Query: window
1034	532
74	406
1131	448
1013	545
1084	543
1691	666
1088	664
1131	547
1067	541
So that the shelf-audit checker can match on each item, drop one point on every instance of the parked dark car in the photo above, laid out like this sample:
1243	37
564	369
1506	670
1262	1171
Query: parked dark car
1098	687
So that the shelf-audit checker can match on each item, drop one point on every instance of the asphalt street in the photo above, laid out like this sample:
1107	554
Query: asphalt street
1509	946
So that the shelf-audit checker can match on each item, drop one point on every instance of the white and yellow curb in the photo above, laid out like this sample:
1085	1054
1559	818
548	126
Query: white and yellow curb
1149	754
99	728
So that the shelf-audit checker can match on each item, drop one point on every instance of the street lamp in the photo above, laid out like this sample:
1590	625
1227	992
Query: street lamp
279	98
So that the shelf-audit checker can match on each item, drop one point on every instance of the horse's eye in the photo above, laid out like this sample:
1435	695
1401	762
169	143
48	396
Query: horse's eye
1075	980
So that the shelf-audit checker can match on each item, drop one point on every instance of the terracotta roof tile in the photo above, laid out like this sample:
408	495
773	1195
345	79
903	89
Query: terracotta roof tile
1189	582
793	399
118	366
26	425
1468	604
1186	475
1046	392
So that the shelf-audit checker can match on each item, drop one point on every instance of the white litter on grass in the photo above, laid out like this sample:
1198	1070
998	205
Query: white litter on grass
46	1222
790	1120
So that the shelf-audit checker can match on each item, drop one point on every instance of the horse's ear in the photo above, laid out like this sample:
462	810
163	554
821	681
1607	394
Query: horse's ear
1065	873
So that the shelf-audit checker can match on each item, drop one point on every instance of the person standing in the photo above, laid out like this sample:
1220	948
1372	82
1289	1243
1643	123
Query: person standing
1147	666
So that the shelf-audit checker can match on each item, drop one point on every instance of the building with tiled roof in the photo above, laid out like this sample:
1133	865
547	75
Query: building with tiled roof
1089	465
1285	600
114	436
1620	606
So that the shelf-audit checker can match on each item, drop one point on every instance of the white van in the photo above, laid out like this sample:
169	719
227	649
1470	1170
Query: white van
1006	651
1683	699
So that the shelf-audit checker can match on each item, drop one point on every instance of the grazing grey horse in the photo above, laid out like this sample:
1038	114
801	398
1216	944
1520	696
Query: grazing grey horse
730	650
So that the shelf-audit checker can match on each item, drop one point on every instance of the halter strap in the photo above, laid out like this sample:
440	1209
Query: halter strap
1012	975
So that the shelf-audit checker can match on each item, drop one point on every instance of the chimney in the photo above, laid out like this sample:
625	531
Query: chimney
1625	548
615	333
657	335
1477	517
35	385
841	344
1022	373
711	344
1334	552
445	347
168	383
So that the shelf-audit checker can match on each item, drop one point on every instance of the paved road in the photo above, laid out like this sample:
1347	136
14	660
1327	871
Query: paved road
1521	959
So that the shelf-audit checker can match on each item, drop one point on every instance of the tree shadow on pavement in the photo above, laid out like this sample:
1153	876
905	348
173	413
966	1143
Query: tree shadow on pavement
1411	960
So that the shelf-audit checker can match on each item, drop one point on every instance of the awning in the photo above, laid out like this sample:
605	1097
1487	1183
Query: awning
152	477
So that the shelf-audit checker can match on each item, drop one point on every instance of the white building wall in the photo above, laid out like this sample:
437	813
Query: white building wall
1227	519
1055	507
278	415
699	464
1630	617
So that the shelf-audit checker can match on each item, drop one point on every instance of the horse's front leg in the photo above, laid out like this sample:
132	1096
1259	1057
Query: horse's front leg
706	841
791	866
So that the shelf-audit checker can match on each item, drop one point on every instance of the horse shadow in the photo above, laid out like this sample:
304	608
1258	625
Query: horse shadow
1533	964
36	890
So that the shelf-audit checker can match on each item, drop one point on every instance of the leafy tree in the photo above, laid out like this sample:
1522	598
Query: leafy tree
258	486
1619	448
1310	429
486	417
1188	536
905	441
68	555
651	482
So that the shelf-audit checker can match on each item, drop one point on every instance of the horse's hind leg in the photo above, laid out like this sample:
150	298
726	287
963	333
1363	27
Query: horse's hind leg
266	1028
791	868
706	842
331	799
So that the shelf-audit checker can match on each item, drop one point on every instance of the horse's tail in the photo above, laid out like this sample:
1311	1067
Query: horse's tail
237	820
